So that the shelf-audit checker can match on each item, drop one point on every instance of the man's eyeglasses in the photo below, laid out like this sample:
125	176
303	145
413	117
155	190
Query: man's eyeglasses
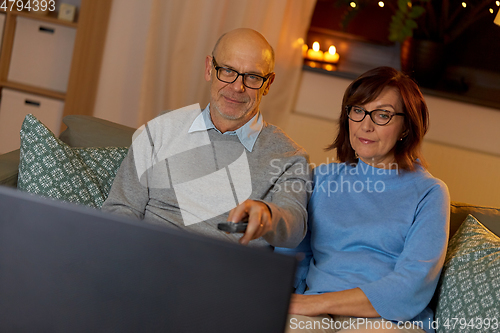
228	75
379	117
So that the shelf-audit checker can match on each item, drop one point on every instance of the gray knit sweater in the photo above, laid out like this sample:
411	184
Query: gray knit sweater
165	163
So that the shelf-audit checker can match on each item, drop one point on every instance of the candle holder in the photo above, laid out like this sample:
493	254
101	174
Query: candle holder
315	58
331	67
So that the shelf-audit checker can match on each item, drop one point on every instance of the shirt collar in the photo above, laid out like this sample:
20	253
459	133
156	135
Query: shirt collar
247	134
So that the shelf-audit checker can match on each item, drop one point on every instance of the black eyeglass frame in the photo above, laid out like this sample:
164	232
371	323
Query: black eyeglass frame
348	109
217	67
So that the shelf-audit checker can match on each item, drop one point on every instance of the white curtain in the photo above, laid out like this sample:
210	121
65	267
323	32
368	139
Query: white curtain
155	52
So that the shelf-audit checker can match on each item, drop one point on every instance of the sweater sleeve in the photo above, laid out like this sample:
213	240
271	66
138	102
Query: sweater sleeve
303	254
404	293
288	203
127	195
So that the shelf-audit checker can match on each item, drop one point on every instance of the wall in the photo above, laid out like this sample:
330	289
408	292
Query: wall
462	146
123	61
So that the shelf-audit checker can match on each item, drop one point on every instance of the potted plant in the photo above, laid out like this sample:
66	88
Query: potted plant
438	20
424	28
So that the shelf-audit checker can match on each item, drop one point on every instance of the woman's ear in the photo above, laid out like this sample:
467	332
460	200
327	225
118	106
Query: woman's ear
404	135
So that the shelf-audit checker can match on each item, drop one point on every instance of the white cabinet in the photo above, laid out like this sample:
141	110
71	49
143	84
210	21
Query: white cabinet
37	75
41	54
16	105
52	62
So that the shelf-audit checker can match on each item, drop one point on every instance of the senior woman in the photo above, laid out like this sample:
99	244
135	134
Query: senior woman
378	221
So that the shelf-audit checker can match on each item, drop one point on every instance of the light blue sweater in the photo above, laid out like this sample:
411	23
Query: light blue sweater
381	230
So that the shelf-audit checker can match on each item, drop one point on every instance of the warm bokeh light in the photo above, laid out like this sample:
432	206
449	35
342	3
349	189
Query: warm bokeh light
491	10
329	67
331	56
464	4
316	46
353	4
498	3
381	4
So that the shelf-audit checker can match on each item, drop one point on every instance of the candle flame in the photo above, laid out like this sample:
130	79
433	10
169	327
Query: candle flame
332	50
316	46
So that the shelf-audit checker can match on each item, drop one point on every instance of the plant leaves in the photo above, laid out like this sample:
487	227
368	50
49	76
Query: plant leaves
416	12
403	6
411	24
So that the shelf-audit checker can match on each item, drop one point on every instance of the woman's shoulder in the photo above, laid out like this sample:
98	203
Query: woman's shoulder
425	182
424	176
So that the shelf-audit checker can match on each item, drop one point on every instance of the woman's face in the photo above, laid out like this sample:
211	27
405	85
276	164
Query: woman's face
375	144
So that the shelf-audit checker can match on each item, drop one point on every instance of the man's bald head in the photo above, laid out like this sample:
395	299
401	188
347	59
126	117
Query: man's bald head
249	38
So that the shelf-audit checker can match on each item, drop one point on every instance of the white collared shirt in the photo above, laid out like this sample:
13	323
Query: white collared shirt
247	134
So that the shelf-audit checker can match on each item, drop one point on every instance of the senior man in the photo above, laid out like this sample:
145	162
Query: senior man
192	169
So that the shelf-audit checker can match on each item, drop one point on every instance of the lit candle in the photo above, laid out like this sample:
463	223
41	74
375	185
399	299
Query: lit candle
332	56
315	53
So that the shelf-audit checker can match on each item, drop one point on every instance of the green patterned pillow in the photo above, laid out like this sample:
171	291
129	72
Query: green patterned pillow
469	288
51	168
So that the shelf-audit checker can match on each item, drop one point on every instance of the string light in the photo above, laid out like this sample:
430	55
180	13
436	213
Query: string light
464	4
381	4
353	4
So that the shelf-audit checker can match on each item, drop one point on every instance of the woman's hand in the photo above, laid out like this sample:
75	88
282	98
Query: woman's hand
351	302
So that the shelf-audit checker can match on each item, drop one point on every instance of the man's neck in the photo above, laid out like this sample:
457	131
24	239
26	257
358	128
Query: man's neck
227	125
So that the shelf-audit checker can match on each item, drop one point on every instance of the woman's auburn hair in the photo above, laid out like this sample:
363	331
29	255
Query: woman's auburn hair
367	88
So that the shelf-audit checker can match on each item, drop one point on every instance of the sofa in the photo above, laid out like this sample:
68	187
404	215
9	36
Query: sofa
86	131
81	131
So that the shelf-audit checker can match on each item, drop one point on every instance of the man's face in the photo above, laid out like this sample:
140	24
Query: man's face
234	104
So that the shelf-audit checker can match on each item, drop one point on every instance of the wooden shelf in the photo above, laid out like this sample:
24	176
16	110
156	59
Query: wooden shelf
33	90
91	27
50	18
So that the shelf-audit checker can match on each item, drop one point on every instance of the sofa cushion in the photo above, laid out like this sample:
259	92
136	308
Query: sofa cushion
469	286
51	168
9	164
87	131
489	216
